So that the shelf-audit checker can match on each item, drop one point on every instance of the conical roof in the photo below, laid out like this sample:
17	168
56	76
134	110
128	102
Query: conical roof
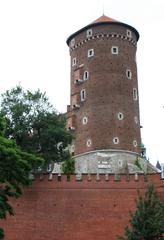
104	18
101	21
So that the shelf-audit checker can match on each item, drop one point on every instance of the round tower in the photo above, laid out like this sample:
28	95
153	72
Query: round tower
104	104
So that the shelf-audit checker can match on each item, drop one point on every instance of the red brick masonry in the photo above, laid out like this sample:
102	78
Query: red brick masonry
76	210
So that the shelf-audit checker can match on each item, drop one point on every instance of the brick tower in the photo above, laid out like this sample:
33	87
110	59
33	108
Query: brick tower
104	106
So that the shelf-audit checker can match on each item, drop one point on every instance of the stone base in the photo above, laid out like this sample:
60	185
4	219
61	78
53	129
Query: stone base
112	161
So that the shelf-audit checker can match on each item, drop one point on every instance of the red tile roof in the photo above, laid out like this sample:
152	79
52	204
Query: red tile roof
104	18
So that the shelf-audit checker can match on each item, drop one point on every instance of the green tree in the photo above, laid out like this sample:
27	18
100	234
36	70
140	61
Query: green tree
21	108
51	137
68	166
147	223
34	124
15	166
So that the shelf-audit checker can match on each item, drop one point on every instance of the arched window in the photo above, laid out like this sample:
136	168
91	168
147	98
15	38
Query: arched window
120	116
89	142
90	53
83	95
86	75
128	73
85	120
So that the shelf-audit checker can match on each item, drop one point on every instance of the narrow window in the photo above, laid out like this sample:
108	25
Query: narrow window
83	95
89	142
89	33
135	94
74	62
114	50
129	33
128	73
85	120
90	53
134	143
120	116
86	75
116	140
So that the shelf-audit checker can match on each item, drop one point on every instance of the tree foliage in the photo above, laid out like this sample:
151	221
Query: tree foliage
34	124
147	223
68	166
15	166
51	137
21	108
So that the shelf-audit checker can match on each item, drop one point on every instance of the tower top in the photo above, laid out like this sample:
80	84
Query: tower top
103	20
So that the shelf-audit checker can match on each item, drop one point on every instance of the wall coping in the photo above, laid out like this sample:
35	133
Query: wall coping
95	178
108	150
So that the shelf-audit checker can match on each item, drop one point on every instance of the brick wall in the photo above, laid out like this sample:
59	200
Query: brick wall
108	90
93	208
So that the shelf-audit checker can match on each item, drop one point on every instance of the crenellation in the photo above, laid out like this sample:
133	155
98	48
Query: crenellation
136	176
89	177
106	177
67	207
50	177
96	177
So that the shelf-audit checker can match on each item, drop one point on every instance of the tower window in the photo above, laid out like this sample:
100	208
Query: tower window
128	73
134	143
129	33
86	75
120	116
85	120
135	97
89	142
74	62
90	53
72	43
89	33
114	50
83	95
116	140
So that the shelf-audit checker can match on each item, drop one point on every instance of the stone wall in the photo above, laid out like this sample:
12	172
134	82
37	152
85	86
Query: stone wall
112	161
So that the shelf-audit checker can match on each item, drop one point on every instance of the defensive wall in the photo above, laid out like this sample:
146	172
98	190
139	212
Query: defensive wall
93	207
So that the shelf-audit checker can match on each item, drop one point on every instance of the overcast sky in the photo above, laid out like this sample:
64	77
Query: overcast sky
33	51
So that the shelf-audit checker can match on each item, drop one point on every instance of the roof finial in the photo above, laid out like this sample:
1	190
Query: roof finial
103	9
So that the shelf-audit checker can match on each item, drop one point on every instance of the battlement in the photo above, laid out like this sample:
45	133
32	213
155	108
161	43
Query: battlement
96	181
87	206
